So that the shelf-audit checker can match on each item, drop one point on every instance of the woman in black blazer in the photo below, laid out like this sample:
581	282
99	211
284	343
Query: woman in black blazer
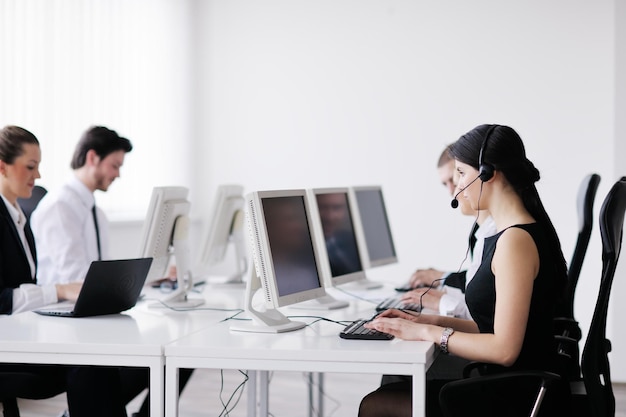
91	391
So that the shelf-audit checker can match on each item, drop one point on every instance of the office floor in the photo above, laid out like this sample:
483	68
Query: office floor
205	394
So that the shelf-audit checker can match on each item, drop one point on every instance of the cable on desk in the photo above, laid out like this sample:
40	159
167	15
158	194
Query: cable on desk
234	316
317	318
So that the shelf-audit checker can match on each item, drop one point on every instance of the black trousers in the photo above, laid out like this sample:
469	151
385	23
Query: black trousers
91	390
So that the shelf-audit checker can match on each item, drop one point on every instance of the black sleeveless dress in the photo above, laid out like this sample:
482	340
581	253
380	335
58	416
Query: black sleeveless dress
538	350
539	347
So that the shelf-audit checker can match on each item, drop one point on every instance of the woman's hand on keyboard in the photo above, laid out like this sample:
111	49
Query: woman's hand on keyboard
402	325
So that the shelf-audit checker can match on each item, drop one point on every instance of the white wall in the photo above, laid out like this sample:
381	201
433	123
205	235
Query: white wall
322	93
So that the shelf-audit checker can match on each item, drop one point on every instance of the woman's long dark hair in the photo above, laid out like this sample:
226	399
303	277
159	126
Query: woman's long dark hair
504	151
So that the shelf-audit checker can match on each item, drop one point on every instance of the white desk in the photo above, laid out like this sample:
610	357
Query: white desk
135	338
317	348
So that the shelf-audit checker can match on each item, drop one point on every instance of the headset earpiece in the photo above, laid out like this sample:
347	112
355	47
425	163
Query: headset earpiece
485	170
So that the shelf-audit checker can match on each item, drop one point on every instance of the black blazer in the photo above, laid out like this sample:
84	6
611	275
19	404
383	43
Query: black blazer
14	267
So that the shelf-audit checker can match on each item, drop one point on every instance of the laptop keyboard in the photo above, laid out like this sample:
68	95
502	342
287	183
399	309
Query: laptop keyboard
398	303
355	330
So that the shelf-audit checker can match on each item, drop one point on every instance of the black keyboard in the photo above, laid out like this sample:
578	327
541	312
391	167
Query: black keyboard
397	303
355	330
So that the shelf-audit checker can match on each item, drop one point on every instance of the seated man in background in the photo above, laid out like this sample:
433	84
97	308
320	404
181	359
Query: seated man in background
72	232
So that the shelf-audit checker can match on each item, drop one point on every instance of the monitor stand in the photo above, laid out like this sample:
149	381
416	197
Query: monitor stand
269	321
326	302
362	284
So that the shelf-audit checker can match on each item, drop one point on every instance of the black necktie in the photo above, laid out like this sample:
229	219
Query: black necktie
95	223
473	239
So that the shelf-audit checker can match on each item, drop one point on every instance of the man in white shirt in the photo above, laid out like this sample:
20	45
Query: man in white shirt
69	235
71	231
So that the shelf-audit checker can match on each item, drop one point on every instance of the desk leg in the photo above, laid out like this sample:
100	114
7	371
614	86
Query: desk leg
311	395
419	390
320	394
157	388
252	383
171	391
264	393
312	392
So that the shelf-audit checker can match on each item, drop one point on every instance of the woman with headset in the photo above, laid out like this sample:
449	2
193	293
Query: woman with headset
91	391
512	295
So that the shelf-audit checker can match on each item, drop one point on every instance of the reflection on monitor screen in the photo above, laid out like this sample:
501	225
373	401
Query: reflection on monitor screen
225	232
339	235
165	238
339	251
285	255
293	258
375	226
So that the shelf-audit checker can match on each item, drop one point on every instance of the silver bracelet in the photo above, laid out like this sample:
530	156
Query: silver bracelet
445	335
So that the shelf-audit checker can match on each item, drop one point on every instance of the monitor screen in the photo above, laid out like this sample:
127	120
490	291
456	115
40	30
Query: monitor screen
291	244
374	223
341	246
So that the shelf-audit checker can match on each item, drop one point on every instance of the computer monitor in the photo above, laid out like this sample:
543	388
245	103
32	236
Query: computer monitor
225	231
165	239
340	251
373	226
286	260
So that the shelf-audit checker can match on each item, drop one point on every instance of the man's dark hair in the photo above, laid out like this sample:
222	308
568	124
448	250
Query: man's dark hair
103	141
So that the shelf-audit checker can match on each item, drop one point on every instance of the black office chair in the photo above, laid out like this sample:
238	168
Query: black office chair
29	204
511	394
567	329
16	384
584	205
594	394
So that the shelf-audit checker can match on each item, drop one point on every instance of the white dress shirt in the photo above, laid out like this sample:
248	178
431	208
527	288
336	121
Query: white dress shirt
452	303
28	296
66	235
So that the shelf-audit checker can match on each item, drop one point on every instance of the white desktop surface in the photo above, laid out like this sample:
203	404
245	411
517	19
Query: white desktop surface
316	348
133	338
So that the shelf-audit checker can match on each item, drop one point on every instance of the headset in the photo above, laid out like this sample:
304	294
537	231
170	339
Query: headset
485	170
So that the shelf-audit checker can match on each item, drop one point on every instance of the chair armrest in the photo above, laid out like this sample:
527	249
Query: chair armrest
566	326
489	391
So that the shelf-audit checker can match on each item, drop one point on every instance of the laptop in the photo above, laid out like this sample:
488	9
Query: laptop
110	287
